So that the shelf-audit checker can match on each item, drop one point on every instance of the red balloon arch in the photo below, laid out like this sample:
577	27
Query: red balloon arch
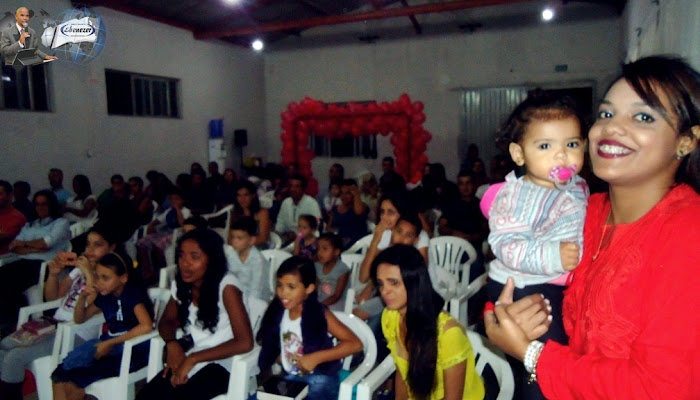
403	119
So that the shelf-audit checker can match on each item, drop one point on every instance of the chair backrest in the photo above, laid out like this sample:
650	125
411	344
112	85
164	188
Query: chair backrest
223	231
361	245
353	261
364	333
256	309
448	251
487	353
275	241
167	275
160	298
274	257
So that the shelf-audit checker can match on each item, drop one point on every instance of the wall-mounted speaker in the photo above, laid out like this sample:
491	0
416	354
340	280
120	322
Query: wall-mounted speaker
240	138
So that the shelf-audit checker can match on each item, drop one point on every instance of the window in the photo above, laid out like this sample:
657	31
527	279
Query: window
347	146
141	95
24	88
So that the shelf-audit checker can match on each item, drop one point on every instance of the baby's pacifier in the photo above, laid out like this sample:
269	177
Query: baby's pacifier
562	176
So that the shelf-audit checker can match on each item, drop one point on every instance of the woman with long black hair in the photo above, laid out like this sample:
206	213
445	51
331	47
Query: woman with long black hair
424	341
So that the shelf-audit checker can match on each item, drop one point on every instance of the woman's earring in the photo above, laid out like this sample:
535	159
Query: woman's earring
680	155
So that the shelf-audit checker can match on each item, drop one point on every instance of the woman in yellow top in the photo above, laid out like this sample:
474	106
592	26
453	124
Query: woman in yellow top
421	349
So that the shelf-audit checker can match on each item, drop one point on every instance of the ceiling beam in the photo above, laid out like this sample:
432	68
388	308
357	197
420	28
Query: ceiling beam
349	18
413	19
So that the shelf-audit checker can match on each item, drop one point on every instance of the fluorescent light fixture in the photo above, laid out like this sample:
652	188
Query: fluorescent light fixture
232	1
257	45
547	14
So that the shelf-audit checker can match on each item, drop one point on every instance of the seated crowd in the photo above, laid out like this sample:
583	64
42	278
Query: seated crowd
82	239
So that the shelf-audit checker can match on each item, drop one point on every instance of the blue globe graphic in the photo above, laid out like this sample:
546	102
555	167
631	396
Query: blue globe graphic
80	53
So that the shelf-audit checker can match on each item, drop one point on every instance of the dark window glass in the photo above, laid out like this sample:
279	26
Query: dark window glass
141	95
24	88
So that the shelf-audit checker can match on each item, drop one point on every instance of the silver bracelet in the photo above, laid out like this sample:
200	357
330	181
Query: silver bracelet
532	355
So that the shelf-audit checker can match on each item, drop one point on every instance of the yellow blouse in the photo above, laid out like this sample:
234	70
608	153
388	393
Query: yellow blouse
453	348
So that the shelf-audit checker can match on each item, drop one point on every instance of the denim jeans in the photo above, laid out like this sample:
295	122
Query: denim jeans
84	355
321	387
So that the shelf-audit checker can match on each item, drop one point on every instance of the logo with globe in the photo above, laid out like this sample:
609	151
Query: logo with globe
77	35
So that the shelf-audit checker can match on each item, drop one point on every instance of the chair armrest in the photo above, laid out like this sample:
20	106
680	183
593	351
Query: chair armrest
27	311
67	333
375	378
126	354
355	377
155	357
349	300
464	295
243	366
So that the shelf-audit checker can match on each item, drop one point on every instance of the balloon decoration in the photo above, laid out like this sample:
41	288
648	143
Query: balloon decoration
402	119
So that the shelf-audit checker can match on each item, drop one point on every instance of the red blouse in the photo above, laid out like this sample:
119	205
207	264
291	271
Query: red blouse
632	314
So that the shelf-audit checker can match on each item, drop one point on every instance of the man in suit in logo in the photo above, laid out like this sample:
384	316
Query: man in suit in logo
20	36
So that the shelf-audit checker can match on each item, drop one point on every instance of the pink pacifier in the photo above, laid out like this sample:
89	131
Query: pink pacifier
562	176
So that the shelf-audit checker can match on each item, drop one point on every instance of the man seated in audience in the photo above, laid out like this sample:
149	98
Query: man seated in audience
349	218
293	206
37	242
22	202
56	182
116	191
200	199
140	200
11	220
215	178
246	261
462	217
390	181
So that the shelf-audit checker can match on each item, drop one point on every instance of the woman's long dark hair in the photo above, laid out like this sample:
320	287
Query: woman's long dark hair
254	203
423	305
54	206
213	246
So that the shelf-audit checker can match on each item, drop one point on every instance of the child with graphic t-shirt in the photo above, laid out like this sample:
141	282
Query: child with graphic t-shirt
332	273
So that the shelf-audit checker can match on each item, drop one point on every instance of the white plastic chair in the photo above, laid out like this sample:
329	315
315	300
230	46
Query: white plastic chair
459	305
487	354
121	387
275	241
361	245
167	275
35	293
447	252
484	352
169	251
354	261
241	374
274	257
223	231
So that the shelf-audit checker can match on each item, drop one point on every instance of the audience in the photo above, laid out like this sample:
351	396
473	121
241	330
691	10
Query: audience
332	274
150	249
208	306
38	241
22	202
247	204
349	218
200	199
390	181
116	192
246	262
293	206
11	219
331	199
226	192
215	178
56	186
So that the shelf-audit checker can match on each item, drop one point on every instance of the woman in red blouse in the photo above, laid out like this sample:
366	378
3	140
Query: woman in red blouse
631	311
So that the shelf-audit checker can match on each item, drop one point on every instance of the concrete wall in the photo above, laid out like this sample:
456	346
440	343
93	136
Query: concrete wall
217	80
433	70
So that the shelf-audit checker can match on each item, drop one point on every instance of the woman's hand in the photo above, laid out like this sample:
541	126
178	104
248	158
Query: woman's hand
83	264
55	267
103	348
512	326
175	357
179	376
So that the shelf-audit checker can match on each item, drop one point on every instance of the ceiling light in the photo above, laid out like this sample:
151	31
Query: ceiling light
257	45
232	1
547	14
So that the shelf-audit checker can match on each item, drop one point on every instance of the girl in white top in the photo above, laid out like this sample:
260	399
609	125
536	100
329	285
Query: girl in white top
209	307
83	206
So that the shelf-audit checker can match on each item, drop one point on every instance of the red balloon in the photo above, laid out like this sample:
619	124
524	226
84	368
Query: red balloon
418	106
404	100
418	118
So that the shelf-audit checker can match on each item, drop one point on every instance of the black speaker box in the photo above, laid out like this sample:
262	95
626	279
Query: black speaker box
240	138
